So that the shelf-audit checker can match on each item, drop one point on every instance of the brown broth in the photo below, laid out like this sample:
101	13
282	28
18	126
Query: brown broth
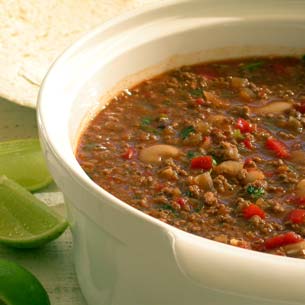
237	151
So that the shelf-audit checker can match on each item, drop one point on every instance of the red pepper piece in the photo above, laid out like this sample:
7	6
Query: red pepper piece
128	154
253	210
297	216
301	107
268	173
181	202
300	201
248	144
278	147
248	162
203	162
279	69
282	240
159	187
200	101
207	73
243	125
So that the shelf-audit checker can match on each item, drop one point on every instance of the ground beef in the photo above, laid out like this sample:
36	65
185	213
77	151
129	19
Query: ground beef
232	135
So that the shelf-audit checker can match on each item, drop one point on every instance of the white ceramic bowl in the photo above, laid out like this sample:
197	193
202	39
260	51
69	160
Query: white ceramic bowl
122	256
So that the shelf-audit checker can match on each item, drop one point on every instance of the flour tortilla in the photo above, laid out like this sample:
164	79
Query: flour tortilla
34	32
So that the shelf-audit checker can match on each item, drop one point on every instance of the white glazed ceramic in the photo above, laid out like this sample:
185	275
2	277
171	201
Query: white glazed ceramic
124	257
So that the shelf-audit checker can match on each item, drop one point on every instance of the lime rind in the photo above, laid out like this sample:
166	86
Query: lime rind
18	146
26	222
35	241
23	161
20	287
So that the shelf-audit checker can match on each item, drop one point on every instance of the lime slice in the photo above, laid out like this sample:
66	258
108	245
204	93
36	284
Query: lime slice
23	161
19	287
26	222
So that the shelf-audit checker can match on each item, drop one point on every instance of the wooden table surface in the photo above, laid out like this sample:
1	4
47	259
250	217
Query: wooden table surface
52	264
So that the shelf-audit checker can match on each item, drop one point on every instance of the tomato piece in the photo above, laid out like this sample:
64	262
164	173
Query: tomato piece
129	153
269	173
206	72
159	187
279	68
301	107
297	216
282	240
300	201
181	202
248	162
277	147
199	101
243	125
203	162
207	140
253	210
248	144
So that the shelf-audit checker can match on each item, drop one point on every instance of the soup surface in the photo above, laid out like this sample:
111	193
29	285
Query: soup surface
215	149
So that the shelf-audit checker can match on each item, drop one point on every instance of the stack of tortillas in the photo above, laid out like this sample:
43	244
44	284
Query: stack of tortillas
34	32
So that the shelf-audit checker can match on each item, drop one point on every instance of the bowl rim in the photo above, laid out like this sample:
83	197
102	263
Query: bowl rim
89	184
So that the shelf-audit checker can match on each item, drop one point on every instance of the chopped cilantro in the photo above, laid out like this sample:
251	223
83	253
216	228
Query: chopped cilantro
185	132
255	192
199	207
145	121
188	194
198	92
191	154
167	207
137	197
253	66
145	125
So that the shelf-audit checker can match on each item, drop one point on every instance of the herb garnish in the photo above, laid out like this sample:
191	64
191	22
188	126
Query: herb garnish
188	194
253	66
145	121
185	132
255	192
191	154
167	207
145	125
198	92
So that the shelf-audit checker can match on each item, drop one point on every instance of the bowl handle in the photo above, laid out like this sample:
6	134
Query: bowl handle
238	271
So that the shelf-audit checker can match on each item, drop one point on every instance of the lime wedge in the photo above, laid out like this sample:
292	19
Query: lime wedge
23	161
26	222
19	287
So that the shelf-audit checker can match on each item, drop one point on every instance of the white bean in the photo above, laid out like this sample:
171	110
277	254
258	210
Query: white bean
300	189
155	153
238	82
231	168
247	94
274	107
216	119
296	249
214	99
204	181
298	156
254	175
